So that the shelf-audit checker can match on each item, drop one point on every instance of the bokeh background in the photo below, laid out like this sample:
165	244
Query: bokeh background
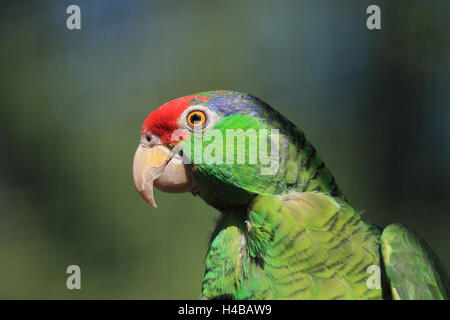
376	104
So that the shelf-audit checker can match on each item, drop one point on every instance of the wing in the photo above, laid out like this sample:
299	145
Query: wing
412	268
312	246
303	245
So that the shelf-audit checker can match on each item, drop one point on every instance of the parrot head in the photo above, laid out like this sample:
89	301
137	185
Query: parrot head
225	146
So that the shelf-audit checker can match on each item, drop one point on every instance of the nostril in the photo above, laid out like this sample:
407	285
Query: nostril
146	139
149	140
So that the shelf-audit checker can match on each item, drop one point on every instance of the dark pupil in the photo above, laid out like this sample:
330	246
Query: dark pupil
196	118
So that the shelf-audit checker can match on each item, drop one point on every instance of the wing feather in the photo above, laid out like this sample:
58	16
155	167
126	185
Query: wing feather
413	269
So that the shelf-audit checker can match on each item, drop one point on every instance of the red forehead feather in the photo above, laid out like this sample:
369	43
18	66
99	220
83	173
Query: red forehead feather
163	121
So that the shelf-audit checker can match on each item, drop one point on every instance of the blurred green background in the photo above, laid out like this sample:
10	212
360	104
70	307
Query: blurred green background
376	105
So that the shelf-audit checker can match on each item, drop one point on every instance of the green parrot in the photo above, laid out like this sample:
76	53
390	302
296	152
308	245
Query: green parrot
286	230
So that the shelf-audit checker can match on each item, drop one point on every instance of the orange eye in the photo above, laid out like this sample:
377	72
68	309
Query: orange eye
196	118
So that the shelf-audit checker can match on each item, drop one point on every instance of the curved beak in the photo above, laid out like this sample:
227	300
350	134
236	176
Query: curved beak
157	166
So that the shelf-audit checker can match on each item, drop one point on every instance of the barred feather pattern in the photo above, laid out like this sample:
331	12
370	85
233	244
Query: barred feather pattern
304	245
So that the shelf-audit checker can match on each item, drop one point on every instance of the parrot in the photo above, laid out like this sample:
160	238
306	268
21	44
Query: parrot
285	229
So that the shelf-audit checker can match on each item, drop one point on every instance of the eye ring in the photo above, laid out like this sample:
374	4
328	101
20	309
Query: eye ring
196	118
